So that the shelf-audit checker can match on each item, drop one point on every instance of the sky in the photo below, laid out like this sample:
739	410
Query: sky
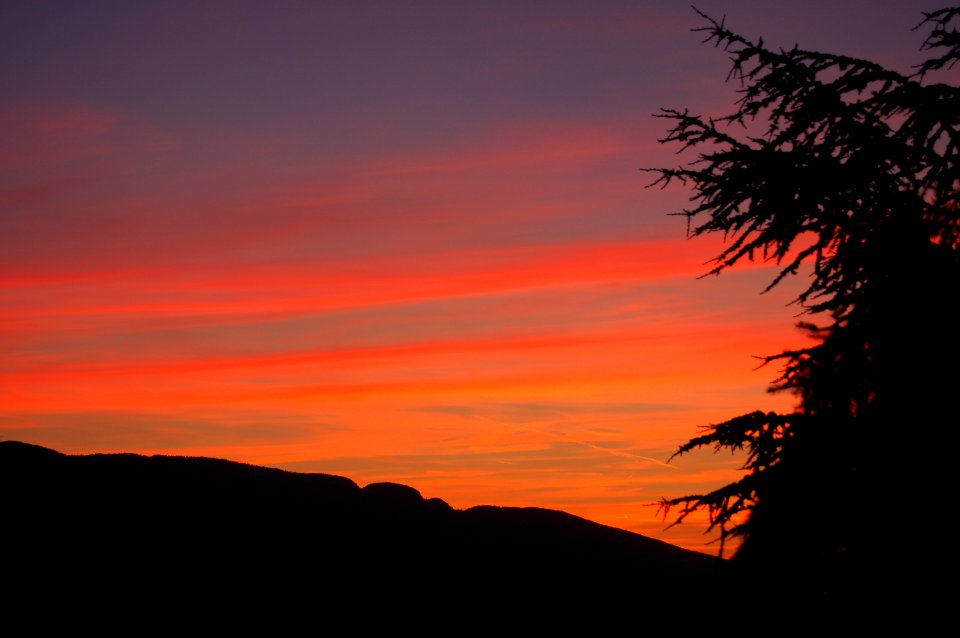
394	241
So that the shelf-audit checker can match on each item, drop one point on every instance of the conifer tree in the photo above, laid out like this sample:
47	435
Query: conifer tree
843	172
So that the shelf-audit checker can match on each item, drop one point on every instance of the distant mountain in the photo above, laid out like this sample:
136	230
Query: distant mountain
168	528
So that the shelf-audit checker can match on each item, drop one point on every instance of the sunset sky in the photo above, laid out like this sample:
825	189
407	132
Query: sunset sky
402	241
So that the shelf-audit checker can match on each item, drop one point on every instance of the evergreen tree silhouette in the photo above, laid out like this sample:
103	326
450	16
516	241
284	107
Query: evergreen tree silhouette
840	170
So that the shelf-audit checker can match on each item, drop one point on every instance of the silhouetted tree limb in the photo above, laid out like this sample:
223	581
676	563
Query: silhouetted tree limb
944	35
845	142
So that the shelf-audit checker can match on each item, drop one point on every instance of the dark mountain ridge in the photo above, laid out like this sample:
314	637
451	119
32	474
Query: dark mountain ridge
139	522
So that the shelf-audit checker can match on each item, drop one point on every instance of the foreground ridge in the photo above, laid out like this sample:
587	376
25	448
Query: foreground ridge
144	520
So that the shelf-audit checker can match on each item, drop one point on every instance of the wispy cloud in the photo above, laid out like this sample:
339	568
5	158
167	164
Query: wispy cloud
162	430
531	411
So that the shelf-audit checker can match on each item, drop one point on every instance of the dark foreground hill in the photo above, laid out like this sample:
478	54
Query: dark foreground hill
177	527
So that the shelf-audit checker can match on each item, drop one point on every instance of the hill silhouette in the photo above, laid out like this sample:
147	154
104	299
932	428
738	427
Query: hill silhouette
172	528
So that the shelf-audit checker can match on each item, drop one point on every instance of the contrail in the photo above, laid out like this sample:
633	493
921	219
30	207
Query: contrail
630	455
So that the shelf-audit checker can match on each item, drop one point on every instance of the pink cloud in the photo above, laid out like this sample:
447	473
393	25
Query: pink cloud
44	136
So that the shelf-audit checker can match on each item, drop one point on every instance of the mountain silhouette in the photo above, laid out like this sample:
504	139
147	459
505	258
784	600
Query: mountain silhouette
168	528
